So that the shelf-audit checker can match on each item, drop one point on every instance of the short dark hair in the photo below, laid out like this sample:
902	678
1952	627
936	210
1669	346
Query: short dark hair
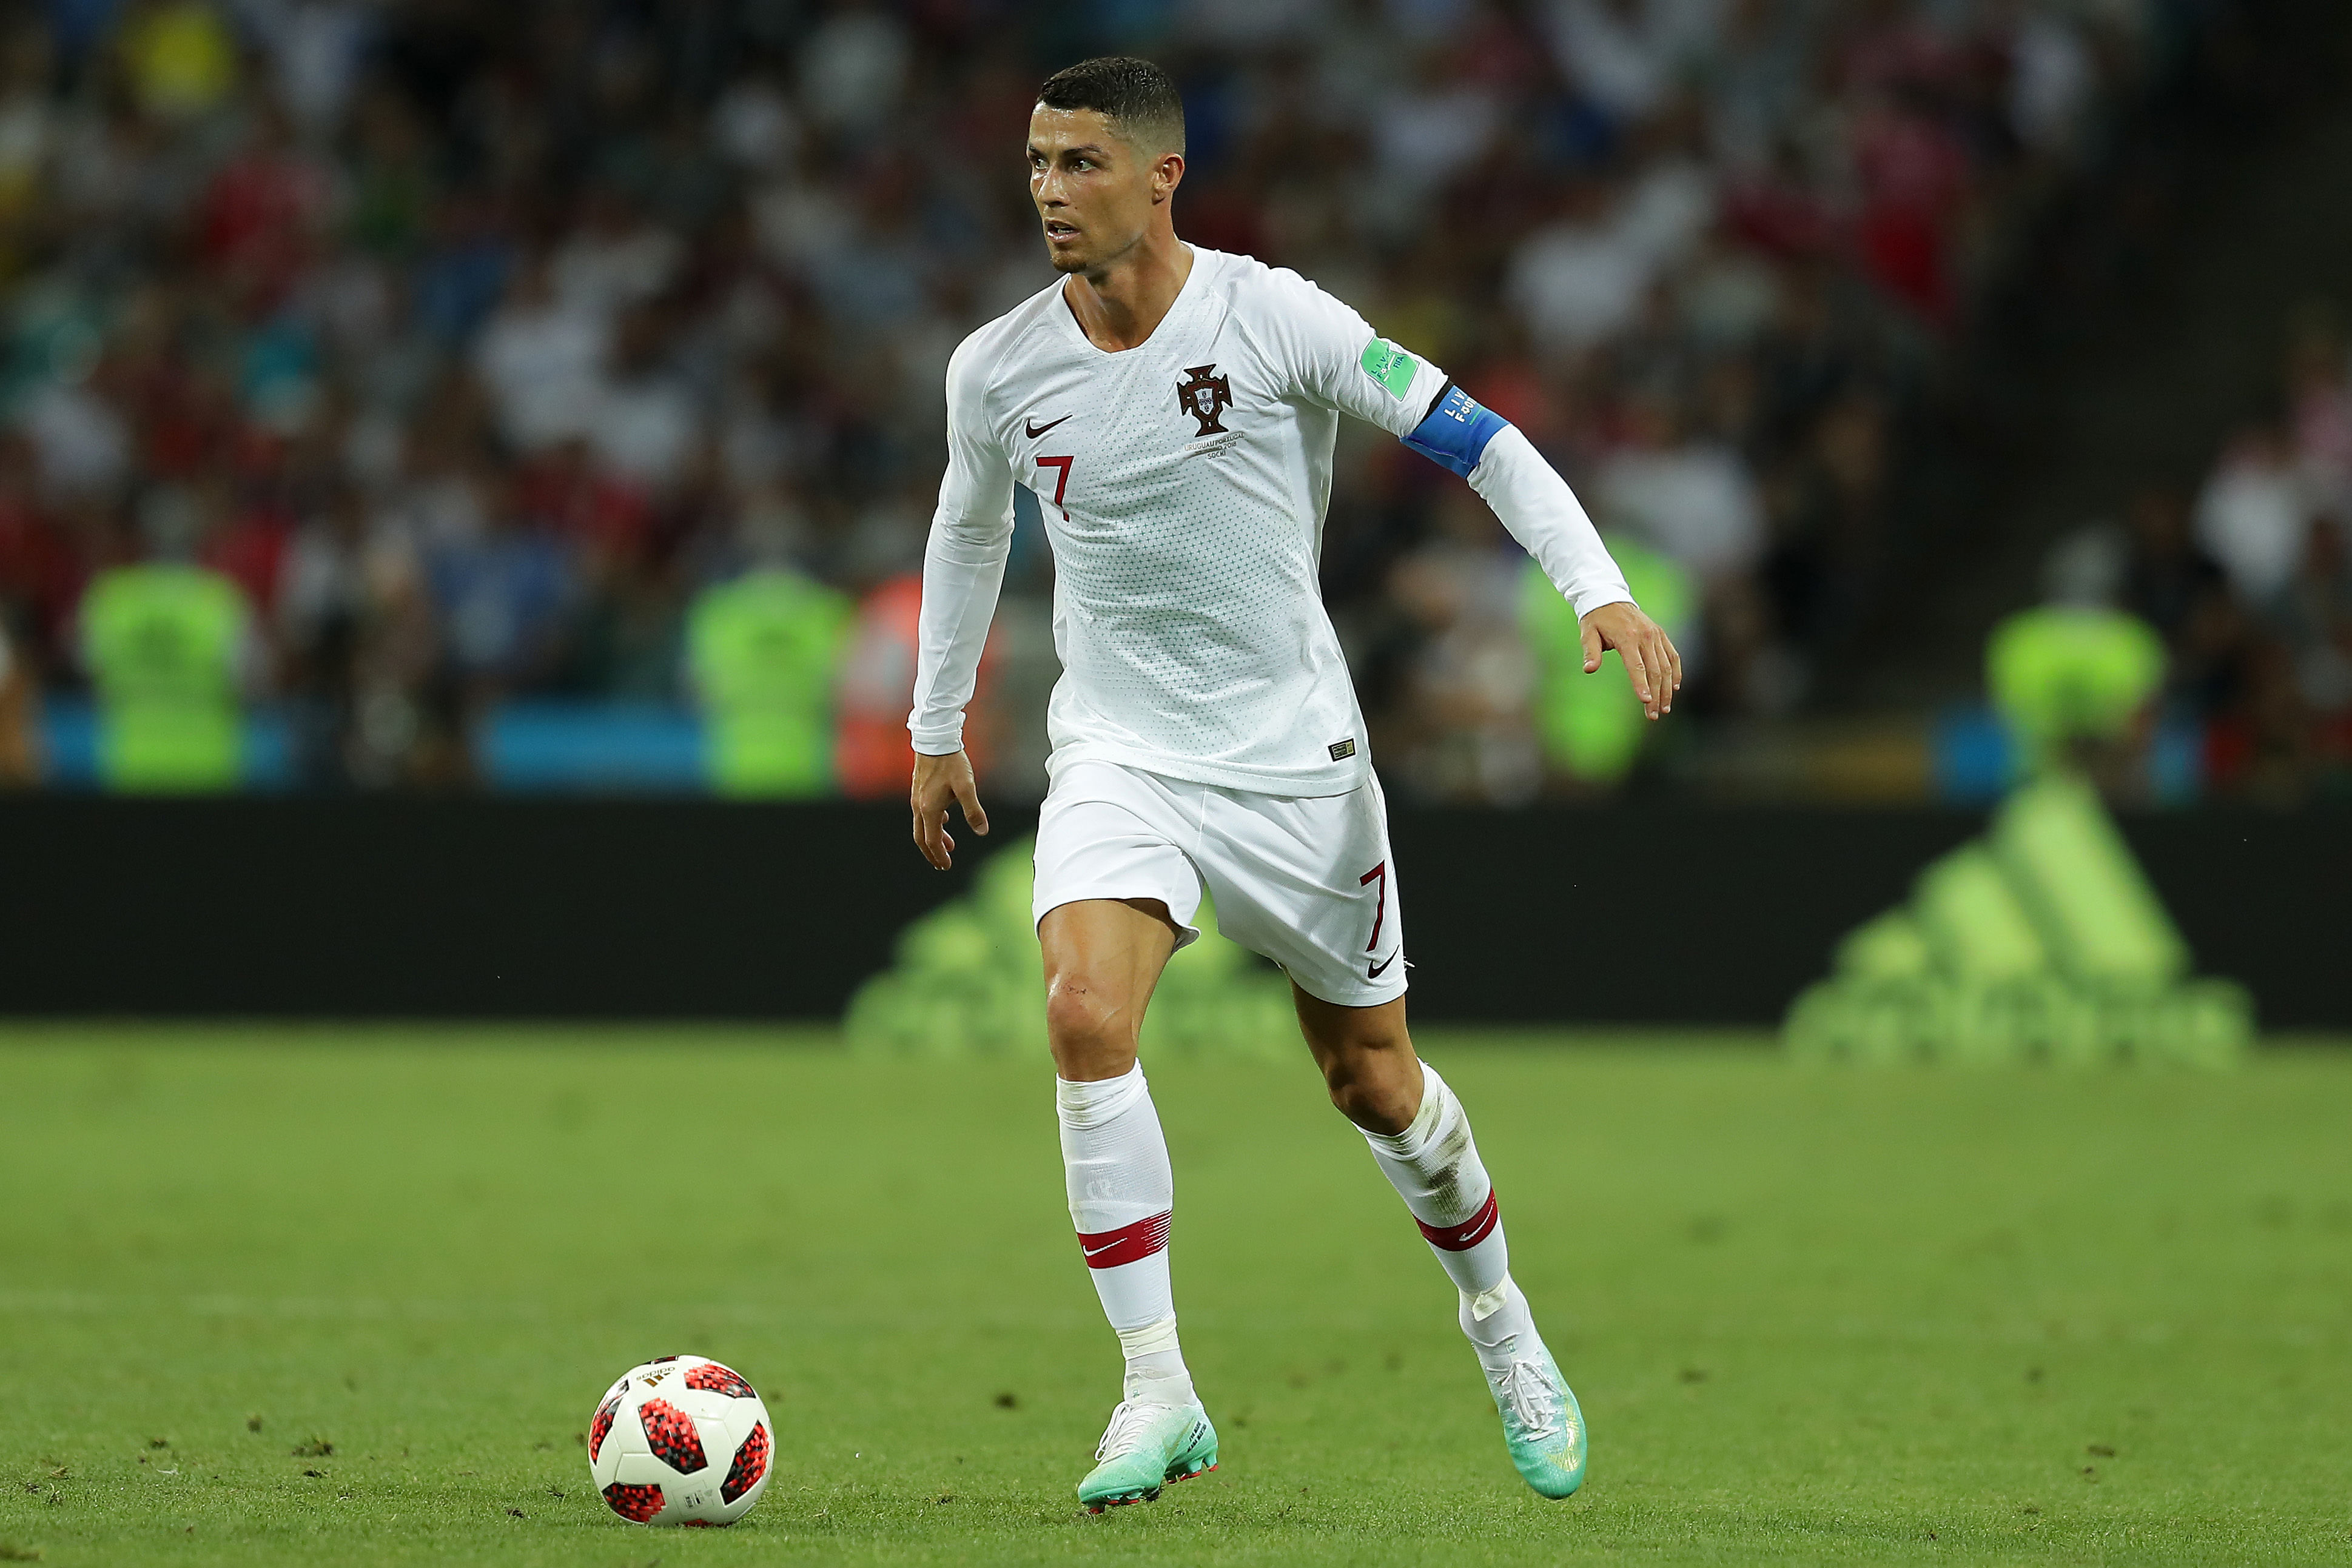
1136	96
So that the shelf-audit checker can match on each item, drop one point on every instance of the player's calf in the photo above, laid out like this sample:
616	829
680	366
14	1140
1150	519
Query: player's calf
1367	1059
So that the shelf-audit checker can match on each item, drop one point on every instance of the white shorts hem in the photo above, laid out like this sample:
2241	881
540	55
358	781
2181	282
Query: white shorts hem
1185	934
1376	994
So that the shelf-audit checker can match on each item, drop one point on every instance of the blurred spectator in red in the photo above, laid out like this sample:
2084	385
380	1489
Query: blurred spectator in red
40	578
2314	617
20	712
872	757
259	217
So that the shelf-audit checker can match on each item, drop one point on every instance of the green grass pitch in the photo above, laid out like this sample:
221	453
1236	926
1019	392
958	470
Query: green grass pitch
1813	1317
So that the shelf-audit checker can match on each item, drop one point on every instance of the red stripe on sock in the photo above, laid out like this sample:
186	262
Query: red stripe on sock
1470	1232
1128	1244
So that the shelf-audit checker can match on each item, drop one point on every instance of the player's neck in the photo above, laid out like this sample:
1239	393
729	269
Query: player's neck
1124	306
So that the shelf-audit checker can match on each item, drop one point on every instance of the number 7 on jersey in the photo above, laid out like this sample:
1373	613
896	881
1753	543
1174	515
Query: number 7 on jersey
1062	485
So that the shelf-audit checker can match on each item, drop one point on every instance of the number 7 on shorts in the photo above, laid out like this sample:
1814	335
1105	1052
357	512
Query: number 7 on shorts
1379	874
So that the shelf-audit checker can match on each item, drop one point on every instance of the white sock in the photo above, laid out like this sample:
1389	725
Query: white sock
1499	1324
1122	1192
1434	1164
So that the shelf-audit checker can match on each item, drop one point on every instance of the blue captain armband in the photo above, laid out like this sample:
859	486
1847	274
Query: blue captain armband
1456	430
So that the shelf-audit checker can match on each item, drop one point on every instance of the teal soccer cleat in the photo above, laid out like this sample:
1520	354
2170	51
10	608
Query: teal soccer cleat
1144	1449
1542	1424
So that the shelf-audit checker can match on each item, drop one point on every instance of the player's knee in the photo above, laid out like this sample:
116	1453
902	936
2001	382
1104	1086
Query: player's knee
1346	1095
1376	1108
1092	1035
1079	1016
1373	1089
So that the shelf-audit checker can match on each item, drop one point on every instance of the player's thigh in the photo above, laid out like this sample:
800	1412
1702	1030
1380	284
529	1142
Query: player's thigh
1115	895
1311	883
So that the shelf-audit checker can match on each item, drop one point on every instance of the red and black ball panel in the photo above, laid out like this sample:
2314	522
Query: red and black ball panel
602	1425
639	1503
718	1379
669	1432
751	1464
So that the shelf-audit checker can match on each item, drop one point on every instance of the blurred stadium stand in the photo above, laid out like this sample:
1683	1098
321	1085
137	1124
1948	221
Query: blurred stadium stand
475	344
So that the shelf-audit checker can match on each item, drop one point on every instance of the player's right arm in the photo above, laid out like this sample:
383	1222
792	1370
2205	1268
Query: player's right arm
963	569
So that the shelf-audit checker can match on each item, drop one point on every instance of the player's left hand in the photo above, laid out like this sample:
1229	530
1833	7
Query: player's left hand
1650	662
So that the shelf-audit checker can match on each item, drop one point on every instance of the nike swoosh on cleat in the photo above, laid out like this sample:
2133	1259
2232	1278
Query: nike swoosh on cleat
1374	971
1036	430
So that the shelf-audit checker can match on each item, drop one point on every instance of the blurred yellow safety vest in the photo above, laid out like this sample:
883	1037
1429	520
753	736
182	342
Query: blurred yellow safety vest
2060	672
162	642
762	650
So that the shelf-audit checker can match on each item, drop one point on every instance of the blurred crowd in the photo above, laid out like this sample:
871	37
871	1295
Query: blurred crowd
2248	582
479	348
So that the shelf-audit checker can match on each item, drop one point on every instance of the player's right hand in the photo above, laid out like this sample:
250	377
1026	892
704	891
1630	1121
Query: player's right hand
939	779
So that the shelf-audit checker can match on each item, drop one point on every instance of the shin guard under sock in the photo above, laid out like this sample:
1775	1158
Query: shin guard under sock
1434	1164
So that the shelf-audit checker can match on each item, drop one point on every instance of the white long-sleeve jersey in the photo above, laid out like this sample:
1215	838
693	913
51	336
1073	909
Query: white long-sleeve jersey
1182	484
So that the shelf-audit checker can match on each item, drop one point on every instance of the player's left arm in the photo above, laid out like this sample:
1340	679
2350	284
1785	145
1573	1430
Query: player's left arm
1544	515
1331	356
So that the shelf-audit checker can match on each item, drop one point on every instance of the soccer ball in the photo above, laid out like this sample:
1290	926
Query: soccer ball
680	1441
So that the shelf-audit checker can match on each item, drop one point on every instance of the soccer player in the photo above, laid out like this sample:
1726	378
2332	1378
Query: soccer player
1172	408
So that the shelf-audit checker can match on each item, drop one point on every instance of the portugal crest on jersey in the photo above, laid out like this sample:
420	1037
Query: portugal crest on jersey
1204	396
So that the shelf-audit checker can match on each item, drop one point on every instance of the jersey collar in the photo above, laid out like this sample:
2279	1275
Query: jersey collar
1184	292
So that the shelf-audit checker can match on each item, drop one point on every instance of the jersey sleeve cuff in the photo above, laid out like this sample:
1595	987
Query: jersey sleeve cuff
936	740
1587	602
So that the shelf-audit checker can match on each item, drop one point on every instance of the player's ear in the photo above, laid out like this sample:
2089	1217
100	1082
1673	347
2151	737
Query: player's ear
1166	175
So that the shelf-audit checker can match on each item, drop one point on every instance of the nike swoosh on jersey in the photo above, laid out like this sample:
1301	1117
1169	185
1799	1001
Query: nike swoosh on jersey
1374	971
1036	430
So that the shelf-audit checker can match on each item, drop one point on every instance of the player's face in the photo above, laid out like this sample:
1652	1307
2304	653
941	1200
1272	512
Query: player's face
1095	194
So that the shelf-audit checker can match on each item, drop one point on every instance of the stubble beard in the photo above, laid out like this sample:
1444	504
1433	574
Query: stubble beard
1094	266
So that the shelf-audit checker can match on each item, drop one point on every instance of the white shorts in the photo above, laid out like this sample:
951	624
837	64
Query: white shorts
1306	881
